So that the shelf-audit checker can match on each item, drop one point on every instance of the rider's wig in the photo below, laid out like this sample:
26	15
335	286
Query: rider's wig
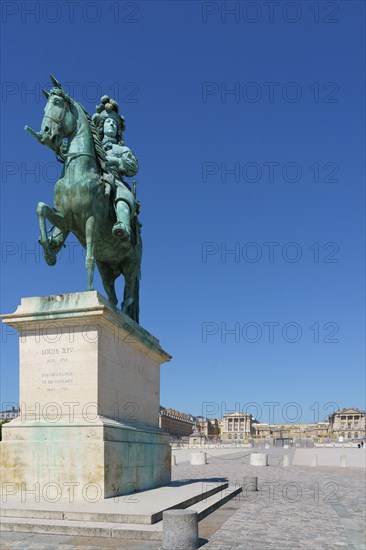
108	108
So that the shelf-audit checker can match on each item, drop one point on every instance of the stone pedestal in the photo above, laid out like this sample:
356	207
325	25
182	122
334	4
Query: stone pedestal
89	401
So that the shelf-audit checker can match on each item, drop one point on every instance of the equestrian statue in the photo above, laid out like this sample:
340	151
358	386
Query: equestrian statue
92	199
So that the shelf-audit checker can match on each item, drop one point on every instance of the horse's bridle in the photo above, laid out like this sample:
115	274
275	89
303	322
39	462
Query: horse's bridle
59	124
59	121
68	156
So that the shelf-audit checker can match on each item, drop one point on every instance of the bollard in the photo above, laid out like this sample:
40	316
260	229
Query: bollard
180	530
198	458
259	459
286	461
250	484
343	461
314	461
174	460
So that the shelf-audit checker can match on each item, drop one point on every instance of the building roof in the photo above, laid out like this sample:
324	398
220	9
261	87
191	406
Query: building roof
353	410
236	414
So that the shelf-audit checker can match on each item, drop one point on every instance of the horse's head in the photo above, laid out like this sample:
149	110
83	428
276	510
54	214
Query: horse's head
59	120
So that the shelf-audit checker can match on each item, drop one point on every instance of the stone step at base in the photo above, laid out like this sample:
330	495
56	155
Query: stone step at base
110	529
82	528
209	505
146	507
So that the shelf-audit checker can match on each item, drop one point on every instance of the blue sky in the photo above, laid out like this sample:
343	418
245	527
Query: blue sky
249	128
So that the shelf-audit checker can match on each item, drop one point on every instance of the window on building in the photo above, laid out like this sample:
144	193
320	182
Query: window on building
356	417
349	435
356	435
343	418
349	425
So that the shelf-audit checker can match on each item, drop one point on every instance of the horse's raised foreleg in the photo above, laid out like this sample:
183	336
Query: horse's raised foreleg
90	259
50	213
57	239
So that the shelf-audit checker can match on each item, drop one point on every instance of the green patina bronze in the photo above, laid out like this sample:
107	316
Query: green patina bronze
91	199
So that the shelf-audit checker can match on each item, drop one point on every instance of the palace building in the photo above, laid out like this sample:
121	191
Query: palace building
237	427
347	423
176	423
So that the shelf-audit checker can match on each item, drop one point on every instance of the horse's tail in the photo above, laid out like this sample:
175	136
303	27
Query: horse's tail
138	250
136	298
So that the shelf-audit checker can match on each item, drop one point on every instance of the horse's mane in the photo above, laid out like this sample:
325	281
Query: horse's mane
98	146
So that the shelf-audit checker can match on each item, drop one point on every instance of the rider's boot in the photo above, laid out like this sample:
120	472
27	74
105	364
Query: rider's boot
122	227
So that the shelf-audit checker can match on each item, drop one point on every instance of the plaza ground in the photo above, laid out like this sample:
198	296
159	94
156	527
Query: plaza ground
296	507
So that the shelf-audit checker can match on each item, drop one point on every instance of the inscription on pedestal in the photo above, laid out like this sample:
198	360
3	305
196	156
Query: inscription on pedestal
59	365
60	379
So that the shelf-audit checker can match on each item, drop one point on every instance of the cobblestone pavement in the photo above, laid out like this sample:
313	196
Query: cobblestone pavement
295	507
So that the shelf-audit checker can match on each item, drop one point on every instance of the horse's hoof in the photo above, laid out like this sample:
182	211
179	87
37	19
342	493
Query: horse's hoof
120	231
50	258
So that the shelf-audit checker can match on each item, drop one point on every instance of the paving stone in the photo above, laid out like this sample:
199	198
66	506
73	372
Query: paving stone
296	507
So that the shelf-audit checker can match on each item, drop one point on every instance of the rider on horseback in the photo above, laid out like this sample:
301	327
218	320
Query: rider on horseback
120	161
81	204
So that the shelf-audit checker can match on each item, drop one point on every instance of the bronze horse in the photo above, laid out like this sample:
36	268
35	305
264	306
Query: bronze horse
81	204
